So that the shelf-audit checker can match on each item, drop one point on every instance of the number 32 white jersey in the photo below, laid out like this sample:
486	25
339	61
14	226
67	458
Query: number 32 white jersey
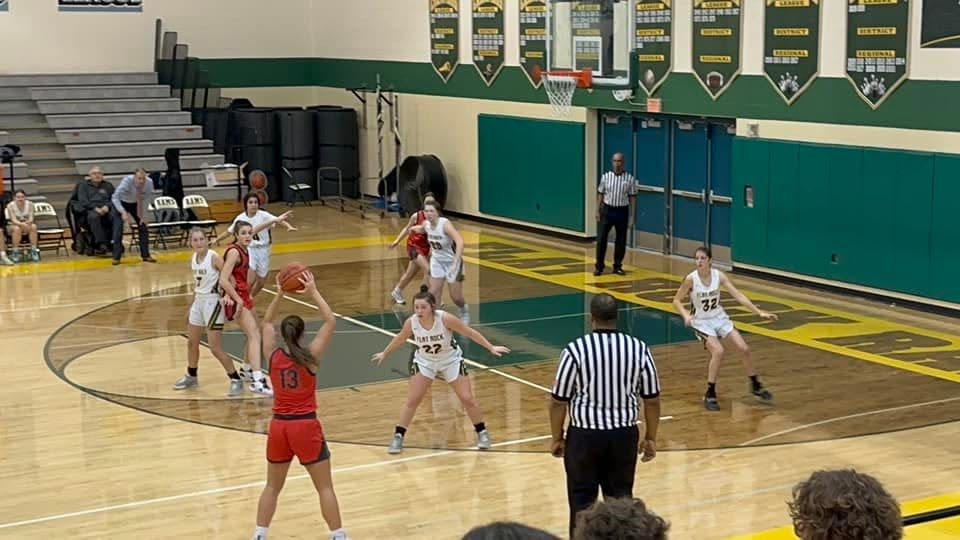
434	344
706	299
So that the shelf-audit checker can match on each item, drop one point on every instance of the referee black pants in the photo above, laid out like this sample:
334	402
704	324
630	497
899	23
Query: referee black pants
613	217
604	459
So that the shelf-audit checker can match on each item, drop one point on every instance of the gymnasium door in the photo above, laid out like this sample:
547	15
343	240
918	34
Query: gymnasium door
653	176
617	136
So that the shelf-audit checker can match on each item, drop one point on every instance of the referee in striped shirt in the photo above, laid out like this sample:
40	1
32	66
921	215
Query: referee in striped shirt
616	197
601	379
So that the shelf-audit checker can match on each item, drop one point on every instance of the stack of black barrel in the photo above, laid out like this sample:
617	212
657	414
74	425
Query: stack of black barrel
290	145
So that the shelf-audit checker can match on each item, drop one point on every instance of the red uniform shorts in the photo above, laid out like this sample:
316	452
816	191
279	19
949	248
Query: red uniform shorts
413	250
302	437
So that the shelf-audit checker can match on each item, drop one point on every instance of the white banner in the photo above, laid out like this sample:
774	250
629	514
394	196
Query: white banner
134	6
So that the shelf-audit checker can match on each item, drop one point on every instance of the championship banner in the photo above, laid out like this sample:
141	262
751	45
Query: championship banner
717	26
489	46
444	37
128	6
586	20
653	39
791	45
533	39
877	44
940	24
4	5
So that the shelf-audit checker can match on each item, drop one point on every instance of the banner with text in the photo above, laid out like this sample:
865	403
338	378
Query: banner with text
489	46
586	21
127	6
444	37
533	39
654	43
877	47
940	24
717	28
791	45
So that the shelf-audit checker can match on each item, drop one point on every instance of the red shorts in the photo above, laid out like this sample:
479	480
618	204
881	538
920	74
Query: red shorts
302	438
413	250
244	294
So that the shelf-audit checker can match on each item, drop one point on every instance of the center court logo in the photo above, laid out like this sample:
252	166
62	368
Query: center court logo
101	5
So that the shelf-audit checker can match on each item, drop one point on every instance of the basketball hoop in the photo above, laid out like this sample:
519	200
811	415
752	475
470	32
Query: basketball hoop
560	86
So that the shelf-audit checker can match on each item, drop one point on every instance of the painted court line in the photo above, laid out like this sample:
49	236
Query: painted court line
239	487
94	303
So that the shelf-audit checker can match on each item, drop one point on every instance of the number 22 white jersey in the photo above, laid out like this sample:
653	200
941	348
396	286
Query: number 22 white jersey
434	344
706	298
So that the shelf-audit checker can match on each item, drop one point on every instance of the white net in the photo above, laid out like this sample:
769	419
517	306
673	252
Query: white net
560	90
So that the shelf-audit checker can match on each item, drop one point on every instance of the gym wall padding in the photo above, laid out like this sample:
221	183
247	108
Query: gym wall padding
532	170
867	216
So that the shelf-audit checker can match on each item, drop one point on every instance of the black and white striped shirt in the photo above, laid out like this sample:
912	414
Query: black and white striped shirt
617	188
603	375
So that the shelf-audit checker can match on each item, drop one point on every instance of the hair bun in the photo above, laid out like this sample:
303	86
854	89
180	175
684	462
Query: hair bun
424	288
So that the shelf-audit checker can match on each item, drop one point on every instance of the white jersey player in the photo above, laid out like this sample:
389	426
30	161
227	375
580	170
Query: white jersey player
437	355
446	257
711	323
206	314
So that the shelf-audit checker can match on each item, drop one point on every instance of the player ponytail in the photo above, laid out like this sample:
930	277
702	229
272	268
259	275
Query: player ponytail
425	294
292	331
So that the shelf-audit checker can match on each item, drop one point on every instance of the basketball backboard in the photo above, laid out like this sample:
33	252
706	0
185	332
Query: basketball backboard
594	34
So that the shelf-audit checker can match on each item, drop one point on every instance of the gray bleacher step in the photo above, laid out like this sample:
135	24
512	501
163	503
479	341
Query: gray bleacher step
31	136
20	170
22	121
55	182
4	137
141	119
220	193
29	185
138	149
157	163
100	92
44	149
14	92
78	79
18	106
191	178
93	106
132	134
39	165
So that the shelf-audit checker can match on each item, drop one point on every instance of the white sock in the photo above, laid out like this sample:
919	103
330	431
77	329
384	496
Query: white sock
338	534
260	533
247	367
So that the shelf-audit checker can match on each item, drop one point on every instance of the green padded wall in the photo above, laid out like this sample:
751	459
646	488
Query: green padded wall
532	170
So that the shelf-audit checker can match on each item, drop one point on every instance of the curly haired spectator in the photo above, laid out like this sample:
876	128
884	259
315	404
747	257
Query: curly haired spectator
844	505
507	530
620	519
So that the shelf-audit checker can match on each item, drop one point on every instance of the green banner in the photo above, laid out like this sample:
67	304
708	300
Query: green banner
717	26
791	45
586	22
489	45
444	37
533	39
940	24
877	47
654	43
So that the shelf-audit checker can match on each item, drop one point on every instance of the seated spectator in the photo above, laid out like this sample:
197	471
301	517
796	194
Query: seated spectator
20	220
130	202
844	505
620	519
508	530
94	199
4	259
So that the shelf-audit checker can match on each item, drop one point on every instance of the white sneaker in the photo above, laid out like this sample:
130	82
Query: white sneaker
4	260
187	381
236	388
396	444
397	296
483	440
261	388
246	373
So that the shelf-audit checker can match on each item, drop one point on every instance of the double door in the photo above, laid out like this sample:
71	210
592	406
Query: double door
684	169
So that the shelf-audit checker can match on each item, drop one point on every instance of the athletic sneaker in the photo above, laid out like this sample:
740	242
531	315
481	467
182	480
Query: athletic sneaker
35	255
396	445
261	388
398	296
246	373
339	535
711	403
483	440
762	394
4	260
236	388
187	381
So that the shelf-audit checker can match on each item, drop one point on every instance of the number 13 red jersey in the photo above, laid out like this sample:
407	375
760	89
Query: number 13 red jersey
294	387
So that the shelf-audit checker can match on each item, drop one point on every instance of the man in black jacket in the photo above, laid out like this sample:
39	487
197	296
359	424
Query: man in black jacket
93	199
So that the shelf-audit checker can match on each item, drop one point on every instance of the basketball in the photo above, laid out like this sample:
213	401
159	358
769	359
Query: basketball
290	277
258	180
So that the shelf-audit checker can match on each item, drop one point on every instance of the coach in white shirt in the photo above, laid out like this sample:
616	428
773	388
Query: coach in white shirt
616	200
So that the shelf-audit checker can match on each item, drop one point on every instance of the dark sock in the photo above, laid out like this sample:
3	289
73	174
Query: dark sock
479	427
711	389
401	430
234	375
755	382
192	371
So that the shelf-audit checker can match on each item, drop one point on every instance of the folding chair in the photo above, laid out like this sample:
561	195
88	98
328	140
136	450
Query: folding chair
49	236
296	189
193	202
163	226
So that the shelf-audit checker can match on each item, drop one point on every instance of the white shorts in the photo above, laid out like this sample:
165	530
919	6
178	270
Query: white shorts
715	326
445	270
260	260
207	311
448	371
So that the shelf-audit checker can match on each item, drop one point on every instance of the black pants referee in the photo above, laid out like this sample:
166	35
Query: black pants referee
613	217
601	380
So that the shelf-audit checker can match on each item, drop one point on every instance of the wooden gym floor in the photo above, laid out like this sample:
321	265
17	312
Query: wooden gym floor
95	444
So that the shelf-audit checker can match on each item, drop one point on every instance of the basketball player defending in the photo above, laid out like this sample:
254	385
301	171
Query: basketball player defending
437	355
206	313
711	323
262	245
295	429
446	257
418	249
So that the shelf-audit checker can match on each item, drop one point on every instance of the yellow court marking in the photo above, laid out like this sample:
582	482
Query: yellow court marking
801	323
931	530
89	263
